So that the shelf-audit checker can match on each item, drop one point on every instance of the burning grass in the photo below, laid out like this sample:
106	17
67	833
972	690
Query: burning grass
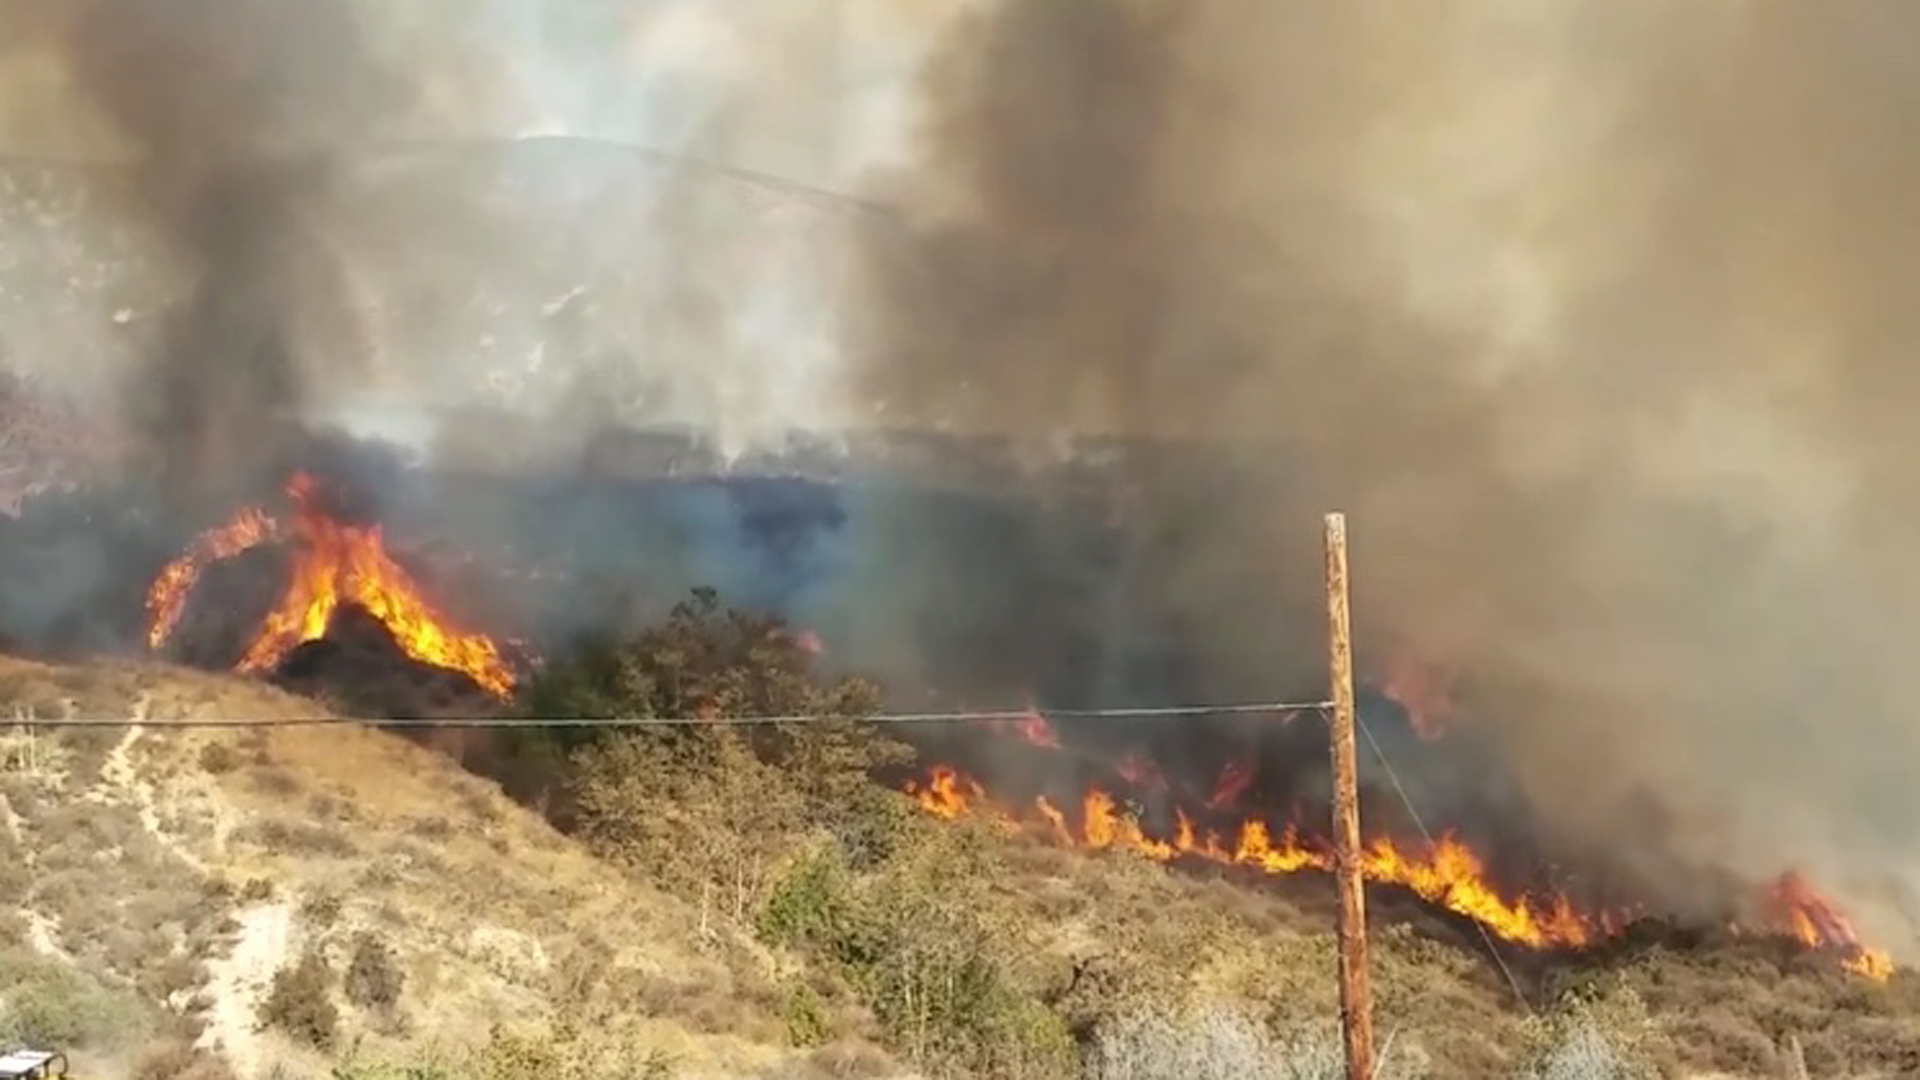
1447	873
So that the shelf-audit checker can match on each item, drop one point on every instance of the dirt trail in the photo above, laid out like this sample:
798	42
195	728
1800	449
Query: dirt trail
237	981
124	777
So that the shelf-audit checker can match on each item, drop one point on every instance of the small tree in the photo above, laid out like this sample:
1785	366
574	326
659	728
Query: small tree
705	805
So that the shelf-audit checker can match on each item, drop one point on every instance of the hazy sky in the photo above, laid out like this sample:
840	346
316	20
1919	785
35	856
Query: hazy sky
815	91
803	82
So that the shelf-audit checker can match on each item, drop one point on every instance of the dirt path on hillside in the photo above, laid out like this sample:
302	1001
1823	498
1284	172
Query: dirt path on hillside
120	771
237	981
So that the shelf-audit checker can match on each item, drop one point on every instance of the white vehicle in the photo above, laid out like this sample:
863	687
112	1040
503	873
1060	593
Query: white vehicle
33	1065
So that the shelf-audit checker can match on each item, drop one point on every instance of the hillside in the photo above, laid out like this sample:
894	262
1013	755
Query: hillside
171	875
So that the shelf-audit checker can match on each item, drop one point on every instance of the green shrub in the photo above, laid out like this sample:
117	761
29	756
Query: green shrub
808	1019
889	907
913	943
812	906
46	1003
564	1053
708	661
708	810
1595	1034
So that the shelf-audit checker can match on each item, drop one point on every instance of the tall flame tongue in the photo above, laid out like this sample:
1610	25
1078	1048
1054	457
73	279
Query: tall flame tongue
167	596
334	563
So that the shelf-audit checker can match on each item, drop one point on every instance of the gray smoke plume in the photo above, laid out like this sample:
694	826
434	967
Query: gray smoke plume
230	110
1592	316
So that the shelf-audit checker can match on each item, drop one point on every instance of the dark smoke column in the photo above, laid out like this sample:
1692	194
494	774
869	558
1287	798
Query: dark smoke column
221	394
236	109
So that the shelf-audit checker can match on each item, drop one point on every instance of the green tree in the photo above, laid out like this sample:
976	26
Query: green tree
707	806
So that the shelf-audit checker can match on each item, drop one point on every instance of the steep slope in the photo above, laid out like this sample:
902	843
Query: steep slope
166	875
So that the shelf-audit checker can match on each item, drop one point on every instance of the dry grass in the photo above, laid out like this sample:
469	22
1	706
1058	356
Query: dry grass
144	855
492	916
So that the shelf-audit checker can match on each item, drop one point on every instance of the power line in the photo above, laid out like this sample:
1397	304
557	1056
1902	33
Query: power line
672	160
510	722
1420	822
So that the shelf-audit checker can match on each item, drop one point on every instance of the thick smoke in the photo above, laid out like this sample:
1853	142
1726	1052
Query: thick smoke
229	111
1590	316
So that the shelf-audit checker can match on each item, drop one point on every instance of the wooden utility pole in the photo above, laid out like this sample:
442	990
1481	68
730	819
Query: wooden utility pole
1356	991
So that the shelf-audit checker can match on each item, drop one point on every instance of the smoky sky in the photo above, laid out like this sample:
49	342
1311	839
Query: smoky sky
1594	317
227	112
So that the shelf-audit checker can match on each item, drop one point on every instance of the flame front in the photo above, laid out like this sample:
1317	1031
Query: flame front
1448	873
334	563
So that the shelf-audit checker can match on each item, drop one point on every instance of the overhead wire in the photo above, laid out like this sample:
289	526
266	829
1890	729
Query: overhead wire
484	722
1420	822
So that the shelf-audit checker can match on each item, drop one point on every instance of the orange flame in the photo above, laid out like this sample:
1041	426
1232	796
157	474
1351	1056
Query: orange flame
167	596
947	794
1448	874
1451	875
1795	909
335	563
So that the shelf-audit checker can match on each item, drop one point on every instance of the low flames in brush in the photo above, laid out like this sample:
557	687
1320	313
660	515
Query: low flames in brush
1447	872
1796	909
334	563
337	563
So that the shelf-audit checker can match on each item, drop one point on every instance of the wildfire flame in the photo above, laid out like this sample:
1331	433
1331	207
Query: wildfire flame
1794	907
1451	875
1448	873
167	596
334	563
